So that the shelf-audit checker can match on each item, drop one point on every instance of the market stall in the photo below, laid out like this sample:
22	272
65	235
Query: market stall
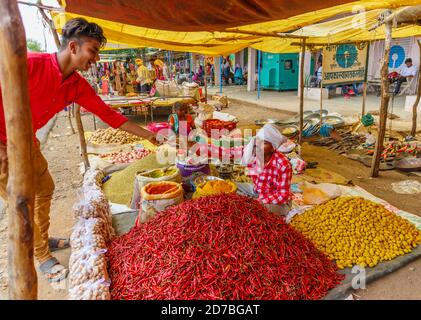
168	207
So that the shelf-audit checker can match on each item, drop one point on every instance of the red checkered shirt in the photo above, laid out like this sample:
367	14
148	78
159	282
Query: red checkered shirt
272	184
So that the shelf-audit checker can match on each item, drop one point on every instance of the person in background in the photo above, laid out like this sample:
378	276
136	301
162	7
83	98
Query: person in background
319	73
181	113
53	83
238	75
272	178
408	71
209	73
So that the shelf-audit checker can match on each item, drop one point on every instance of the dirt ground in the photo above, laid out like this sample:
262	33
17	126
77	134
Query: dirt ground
62	153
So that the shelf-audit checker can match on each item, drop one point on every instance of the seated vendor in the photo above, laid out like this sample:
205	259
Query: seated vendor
181	114
272	178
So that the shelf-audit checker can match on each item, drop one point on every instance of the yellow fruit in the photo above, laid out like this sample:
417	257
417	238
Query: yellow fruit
354	230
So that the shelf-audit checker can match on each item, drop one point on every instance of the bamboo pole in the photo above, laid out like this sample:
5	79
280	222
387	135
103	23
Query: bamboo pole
303	51
384	102
364	98
20	152
82	140
321	100
417	100
206	86
69	116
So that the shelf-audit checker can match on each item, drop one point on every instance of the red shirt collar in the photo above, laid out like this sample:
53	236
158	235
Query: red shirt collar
72	78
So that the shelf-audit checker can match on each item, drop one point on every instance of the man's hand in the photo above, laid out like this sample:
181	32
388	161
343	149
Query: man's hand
3	159
133	128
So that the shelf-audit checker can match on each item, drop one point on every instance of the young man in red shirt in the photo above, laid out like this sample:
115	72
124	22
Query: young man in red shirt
53	85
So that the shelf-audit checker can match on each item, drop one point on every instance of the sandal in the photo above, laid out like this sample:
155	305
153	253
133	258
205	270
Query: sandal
53	270
54	244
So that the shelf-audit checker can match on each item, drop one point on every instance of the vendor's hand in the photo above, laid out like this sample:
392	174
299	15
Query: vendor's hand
3	159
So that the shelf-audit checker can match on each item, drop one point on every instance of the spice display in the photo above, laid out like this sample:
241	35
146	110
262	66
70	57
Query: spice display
126	157
159	173
113	136
119	188
214	187
356	231
239	175
217	124
219	247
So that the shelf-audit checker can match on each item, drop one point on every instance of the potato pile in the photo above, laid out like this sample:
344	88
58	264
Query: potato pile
88	277
113	136
126	157
356	231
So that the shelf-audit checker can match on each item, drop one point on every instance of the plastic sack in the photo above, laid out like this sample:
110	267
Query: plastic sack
221	99
154	201
167	88
319	193
190	89
204	112
407	187
93	177
93	204
91	290
87	264
88	233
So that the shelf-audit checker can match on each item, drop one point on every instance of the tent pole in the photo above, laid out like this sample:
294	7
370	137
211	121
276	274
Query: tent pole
321	100
383	104
20	152
206	84
303	51
220	75
258	73
364	97
82	140
417	100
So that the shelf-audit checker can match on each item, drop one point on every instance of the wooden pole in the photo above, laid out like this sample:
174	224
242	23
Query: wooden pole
417	100
82	140
303	51
383	104
50	23
69	115
364	98
20	153
321	100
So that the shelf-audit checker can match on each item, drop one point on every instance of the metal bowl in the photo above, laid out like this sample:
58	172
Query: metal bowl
314	118
289	130
324	112
262	122
334	121
408	164
204	178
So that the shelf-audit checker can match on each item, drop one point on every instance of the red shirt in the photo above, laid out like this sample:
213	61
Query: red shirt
48	94
272	184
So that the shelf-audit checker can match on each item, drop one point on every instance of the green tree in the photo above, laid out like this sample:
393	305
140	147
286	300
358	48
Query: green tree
33	45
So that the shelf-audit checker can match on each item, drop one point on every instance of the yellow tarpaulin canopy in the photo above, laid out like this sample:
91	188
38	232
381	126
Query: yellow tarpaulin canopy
343	26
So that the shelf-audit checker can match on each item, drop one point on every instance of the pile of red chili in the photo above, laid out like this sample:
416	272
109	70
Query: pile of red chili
219	247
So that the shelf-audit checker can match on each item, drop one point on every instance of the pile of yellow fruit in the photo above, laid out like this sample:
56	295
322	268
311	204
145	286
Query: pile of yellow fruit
356	231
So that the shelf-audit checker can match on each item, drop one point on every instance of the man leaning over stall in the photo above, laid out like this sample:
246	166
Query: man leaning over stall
54	83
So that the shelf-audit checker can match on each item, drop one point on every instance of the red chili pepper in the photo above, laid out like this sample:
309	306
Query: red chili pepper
221	247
